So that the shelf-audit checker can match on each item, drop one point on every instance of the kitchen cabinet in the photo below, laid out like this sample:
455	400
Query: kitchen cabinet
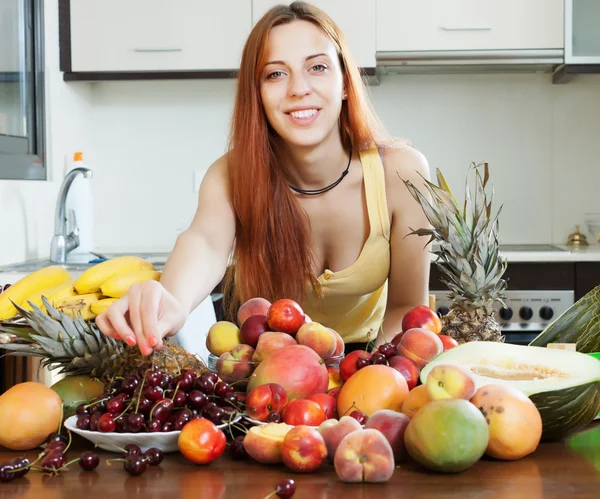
582	32
11	24
445	25
153	35
587	277
355	18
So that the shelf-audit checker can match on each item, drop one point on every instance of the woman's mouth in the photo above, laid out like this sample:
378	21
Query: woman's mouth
304	117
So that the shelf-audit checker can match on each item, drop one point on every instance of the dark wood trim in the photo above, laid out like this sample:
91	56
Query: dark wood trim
64	34
565	73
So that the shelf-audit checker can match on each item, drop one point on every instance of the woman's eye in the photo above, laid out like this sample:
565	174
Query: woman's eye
274	74
319	67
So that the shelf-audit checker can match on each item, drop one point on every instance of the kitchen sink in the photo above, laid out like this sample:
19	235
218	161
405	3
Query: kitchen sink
157	259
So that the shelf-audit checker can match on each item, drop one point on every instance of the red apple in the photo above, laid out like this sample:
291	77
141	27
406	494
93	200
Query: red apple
448	342
422	317
285	316
407	368
327	403
265	399
254	306
252	328
348	363
393	425
303	412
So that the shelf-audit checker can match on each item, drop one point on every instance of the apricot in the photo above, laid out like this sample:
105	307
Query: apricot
271	342
450	382
416	398
513	420
263	443
364	456
303	449
318	337
371	389
222	337
254	306
420	345
339	343
334	431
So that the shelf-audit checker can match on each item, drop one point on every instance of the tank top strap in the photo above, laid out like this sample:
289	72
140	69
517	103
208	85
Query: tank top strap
374	178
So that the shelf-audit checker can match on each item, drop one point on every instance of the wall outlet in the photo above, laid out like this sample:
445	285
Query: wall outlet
198	176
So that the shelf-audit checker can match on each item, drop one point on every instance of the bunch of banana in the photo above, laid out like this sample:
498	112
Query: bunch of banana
88	296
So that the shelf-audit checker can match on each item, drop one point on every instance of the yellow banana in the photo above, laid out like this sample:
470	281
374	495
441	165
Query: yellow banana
101	306
36	281
119	285
91	279
78	305
52	294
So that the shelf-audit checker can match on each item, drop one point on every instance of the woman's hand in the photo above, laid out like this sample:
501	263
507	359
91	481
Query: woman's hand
144	316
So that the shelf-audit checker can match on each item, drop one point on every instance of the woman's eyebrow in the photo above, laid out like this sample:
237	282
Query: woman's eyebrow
307	59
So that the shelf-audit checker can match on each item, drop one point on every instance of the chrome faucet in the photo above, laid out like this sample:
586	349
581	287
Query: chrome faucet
63	242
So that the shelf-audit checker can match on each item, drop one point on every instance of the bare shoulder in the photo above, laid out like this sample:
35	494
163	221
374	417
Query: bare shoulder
403	162
217	172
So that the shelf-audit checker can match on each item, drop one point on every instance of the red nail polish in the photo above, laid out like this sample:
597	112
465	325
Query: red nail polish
146	350
152	341
130	340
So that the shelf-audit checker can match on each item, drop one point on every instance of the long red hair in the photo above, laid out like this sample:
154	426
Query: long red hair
272	256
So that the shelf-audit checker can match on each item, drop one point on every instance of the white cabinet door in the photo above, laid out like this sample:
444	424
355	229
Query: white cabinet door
355	18
11	27
431	25
158	35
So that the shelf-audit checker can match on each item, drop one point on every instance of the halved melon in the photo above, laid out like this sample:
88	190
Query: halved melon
564	385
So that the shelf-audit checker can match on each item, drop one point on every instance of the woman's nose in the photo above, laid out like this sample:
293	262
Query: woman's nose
299	85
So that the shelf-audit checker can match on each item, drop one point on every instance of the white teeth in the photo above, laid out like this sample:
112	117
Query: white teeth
305	113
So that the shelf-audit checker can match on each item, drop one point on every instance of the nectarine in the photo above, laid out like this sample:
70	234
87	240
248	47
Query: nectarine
364	456
303	449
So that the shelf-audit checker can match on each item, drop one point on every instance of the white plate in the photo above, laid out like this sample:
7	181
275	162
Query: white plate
262	423
166	442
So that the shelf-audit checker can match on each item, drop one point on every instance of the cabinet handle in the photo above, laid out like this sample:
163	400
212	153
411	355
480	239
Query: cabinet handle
157	49
466	28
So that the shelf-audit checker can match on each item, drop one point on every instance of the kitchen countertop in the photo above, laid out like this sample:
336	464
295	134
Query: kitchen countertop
553	471
544	253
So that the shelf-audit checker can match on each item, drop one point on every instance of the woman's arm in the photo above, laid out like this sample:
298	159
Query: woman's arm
408	282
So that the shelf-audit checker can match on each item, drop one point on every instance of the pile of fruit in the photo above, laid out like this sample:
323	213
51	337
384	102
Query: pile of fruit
88	295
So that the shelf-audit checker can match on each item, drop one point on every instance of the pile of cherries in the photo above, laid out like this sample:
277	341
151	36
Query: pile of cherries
156	401
379	356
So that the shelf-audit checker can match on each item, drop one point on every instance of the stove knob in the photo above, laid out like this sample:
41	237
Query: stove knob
505	313
546	313
526	313
442	311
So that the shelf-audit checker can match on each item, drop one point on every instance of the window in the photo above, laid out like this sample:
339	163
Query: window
21	90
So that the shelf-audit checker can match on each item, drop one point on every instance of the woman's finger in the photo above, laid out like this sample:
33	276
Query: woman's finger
116	317
149	314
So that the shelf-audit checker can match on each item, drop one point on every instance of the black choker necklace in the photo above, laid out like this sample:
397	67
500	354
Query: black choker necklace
324	189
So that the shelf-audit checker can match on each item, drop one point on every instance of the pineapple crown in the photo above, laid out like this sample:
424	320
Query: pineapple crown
467	255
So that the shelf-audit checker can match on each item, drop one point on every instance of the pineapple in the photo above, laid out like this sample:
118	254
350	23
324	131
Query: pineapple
467	256
75	346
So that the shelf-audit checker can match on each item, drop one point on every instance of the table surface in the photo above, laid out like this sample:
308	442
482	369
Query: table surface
556	469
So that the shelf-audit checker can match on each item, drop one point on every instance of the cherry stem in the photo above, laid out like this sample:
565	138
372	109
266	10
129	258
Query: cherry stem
272	493
125	410
113	446
97	402
137	406
69	444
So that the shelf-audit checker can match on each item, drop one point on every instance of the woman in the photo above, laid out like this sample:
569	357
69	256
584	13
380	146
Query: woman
303	194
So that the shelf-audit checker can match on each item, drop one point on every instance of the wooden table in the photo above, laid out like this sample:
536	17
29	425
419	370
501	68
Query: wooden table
553	471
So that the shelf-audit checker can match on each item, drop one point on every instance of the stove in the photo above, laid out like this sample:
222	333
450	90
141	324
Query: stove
527	313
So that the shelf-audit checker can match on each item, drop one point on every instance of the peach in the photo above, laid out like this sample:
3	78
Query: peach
303	412
416	398
339	343
263	443
334	431
222	337
303	449
252	328
407	368
298	369
393	425
334	377
422	317
448	342
348	364
285	316
271	342
420	345
254	306
327	403
236	364
364	456
450	382
264	400
371	389
318	337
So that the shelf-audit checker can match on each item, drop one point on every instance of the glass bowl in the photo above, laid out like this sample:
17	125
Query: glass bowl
237	372
592	222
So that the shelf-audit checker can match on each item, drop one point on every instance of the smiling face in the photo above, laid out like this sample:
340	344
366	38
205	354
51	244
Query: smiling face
302	84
